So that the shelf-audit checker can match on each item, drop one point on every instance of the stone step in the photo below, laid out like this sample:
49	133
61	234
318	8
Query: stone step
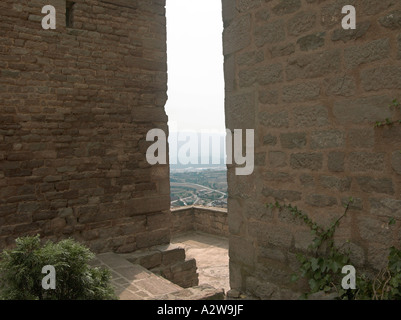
134	282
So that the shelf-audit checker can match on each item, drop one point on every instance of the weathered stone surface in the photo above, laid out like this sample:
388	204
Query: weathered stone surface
245	5
282	50
311	116
241	251
301	92
373	51
327	139
331	13
340	184
386	207
351	34
313	65
289	195
391	20
399	47
277	159
275	120
336	161
237	35
267	96
64	134
364	161
242	108
293	140
341	86
281	238
301	22
278	177
374	230
286	7
250	58
269	33
307	180
371	7
380	185
381	78
312	161
396	161
312	41
361	138
319	200
269	140
366	109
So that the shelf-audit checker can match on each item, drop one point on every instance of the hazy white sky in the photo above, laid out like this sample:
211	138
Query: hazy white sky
195	65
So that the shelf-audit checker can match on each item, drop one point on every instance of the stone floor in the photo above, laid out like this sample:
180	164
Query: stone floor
211	254
133	282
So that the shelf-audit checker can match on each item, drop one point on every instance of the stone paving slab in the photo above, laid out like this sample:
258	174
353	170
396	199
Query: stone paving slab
133	282
211	254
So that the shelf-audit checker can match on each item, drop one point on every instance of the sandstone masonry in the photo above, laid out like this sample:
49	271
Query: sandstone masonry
313	94
76	104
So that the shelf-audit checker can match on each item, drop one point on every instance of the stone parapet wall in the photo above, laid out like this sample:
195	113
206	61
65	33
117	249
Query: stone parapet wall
76	104
203	219
312	92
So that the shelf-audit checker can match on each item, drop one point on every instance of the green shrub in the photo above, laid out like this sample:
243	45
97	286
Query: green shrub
21	272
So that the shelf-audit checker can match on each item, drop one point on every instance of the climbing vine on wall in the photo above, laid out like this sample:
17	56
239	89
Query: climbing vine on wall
322	266
395	105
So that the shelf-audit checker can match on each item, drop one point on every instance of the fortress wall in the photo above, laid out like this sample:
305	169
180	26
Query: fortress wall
312	92
76	104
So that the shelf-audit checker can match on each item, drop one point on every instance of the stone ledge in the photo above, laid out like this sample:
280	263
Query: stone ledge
169	261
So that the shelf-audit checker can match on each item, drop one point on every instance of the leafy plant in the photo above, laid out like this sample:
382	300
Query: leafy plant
323	270
395	104
21	277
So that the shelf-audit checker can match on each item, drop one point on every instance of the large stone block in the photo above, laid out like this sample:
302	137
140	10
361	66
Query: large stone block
340	184
314	65
311	161
240	111
351	34
388	77
274	120
269	33
365	161
305	91
361	138
391	20
281	195
360	54
237	35
321	200
386	207
241	251
365	109
301	22
312	41
293	140
286	7
277	159
327	139
379	185
311	116
396	161
331	13
341	86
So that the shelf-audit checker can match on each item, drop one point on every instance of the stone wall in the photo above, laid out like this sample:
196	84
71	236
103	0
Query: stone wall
313	92
76	104
197	218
